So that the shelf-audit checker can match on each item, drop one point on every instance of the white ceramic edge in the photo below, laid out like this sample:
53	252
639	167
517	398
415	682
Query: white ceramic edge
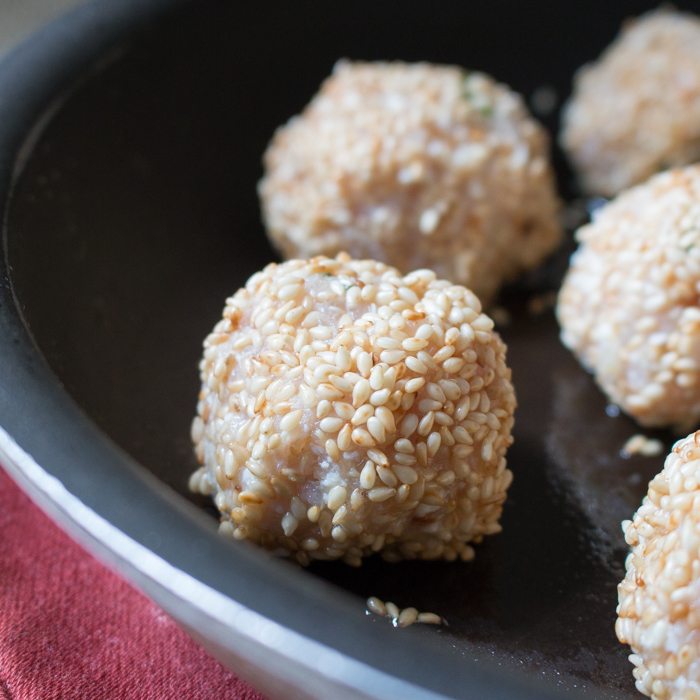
246	635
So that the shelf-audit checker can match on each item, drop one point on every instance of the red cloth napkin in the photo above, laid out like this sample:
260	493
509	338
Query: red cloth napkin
72	630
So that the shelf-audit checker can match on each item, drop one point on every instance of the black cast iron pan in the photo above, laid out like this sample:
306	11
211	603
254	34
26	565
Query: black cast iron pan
131	135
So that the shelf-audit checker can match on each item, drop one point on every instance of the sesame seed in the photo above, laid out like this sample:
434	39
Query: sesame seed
338	534
388	343
362	414
428	618
387	418
434	441
415	365
427	360
381	494
361	392
331	425
428	405
409	425
407	617
363	438
391	357
413	385
379	398
426	424
340	515
376	429
336	497
364	364
405	474
376	606
343	410
289	524
376	379
368	475
313	514
378	457
453	365
322	373
341	384
392	611
387	476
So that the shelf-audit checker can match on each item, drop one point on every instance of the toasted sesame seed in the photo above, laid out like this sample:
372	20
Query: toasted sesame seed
376	429
379	398
427	360
376	606
331	425
413	385
381	494
387	418
435	392
291	421
364	364
415	365
368	475
376	379
362	437
387	476
362	414
433	442
453	365
361	393
404	445
427	405
343	410
428	618
336	497
340	515
409	425
341	384
426	423
344	437
391	357
407	617
338	534
405	474
313	514
392	611
378	457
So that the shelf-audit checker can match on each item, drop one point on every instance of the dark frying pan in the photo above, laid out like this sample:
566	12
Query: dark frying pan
131	134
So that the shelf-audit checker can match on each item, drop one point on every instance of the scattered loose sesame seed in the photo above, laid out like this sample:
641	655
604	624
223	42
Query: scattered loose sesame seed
402	618
642	445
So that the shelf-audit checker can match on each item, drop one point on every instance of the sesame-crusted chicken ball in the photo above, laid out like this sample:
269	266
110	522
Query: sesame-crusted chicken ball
629	306
415	165
346	409
659	598
636	110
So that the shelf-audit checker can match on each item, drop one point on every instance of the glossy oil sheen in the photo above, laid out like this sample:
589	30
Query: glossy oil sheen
136	215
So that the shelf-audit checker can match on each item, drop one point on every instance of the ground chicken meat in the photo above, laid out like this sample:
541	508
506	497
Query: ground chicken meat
628	307
346	409
637	109
416	166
